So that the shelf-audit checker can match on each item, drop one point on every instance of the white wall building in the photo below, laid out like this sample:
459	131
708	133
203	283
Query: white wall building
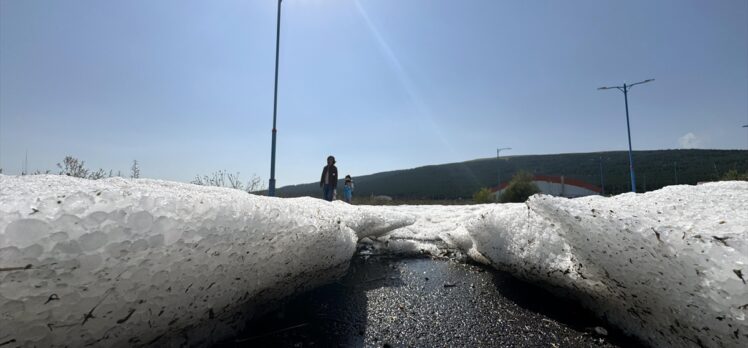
557	186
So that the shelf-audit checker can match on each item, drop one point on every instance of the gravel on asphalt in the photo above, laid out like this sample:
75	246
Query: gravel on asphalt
386	301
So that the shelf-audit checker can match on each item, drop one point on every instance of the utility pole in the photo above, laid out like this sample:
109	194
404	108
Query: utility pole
625	89
1	142
602	180
271	186
25	170
675	167
498	165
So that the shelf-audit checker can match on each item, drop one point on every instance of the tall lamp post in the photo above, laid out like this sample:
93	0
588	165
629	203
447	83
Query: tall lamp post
498	153
602	179
625	89
271	186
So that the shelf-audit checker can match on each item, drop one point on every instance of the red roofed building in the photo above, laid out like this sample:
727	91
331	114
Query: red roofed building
557	186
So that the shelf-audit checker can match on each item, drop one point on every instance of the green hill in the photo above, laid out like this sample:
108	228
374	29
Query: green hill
654	169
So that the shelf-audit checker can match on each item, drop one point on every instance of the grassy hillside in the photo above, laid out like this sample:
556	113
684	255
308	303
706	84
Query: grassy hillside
654	169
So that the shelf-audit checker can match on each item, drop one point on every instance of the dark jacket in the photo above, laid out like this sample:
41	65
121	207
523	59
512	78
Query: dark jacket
333	176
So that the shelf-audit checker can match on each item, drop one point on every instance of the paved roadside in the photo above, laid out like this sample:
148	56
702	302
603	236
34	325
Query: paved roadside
424	302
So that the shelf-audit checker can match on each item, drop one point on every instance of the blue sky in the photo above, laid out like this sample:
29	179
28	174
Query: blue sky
186	87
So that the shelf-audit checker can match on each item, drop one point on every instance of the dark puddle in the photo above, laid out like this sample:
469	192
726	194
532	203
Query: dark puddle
424	302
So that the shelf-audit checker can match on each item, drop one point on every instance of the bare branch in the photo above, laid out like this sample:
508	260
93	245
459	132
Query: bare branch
223	178
135	170
71	166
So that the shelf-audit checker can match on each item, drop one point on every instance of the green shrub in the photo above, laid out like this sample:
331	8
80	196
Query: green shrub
520	188
482	196
733	174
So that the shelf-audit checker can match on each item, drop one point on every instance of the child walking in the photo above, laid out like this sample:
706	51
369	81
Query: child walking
348	189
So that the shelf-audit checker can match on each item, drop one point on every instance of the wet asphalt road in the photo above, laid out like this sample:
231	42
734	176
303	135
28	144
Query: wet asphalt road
424	302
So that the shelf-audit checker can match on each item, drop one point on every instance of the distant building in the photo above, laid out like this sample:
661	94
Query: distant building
557	186
381	197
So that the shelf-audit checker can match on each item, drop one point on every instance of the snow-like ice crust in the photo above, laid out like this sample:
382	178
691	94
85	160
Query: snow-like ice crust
667	266
132	262
138	262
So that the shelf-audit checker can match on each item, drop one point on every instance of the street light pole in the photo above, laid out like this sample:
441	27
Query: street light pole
602	180
628	130
625	89
271	186
498	153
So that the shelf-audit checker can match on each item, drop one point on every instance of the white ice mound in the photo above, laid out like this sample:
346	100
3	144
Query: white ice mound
669	266
438	230
138	262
